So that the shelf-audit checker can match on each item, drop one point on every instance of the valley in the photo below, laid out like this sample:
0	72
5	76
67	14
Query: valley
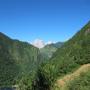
59	66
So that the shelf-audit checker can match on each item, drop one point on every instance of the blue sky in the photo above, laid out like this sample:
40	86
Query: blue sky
49	20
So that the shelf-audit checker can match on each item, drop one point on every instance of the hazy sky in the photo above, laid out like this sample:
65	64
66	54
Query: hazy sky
49	20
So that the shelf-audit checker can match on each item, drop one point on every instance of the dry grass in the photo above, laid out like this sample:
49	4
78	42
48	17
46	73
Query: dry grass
62	83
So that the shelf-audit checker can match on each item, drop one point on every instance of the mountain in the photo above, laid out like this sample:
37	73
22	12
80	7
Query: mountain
58	44
21	64
17	59
73	54
49	49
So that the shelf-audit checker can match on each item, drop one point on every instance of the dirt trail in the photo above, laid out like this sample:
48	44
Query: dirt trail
67	78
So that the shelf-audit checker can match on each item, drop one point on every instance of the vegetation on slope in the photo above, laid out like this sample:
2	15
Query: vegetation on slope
71	55
17	59
65	83
81	83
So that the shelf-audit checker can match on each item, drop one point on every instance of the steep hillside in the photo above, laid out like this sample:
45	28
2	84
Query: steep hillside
16	60
80	83
64	82
68	58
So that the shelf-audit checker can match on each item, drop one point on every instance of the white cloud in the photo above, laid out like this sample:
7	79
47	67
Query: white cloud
40	43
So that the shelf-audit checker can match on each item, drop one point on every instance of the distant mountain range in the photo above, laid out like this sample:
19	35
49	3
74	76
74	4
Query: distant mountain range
49	49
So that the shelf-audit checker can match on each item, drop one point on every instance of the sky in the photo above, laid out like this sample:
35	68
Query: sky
47	20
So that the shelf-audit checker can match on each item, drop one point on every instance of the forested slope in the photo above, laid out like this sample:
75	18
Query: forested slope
16	60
